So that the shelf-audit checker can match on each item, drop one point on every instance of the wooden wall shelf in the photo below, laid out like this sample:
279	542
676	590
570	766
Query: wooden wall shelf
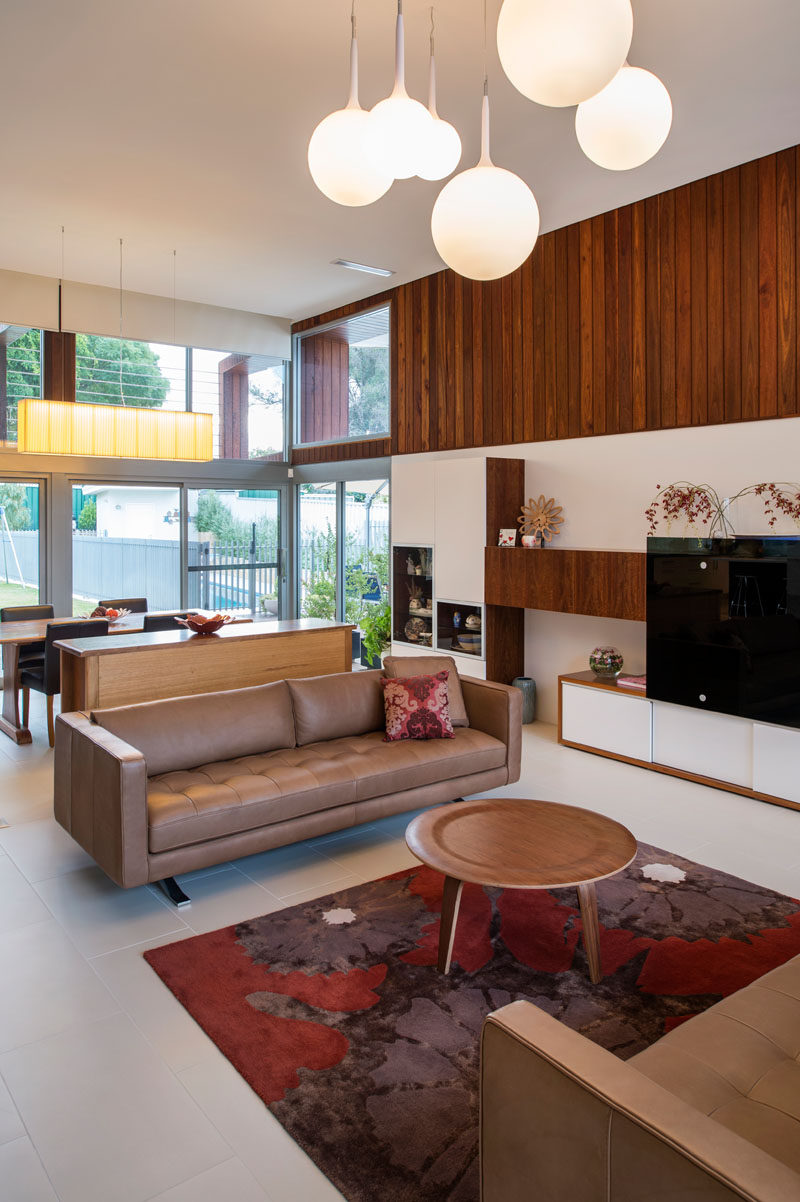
606	584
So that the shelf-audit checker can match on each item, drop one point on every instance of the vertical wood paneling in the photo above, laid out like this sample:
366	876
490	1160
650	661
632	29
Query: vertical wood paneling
678	310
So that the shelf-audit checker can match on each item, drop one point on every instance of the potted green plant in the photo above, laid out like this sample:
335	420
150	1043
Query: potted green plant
376	632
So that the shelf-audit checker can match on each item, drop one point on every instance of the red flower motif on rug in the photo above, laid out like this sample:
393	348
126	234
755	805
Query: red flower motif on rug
336	1015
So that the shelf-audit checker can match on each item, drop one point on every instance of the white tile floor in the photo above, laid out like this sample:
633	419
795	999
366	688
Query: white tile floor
108	1090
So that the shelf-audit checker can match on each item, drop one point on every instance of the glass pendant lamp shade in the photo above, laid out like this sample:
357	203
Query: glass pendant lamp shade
441	152
485	221
400	126
626	123
340	153
560	52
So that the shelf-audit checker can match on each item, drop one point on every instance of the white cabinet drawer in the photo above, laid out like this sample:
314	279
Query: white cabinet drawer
775	757
605	720
715	745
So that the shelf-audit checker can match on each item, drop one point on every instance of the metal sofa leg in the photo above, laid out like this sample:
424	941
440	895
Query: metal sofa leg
173	891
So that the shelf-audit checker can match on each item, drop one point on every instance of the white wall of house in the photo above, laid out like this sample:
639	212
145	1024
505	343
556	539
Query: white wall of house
604	485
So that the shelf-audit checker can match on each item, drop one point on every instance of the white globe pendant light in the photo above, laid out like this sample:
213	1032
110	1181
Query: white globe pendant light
441	153
560	52
485	221
340	156
400	126
627	123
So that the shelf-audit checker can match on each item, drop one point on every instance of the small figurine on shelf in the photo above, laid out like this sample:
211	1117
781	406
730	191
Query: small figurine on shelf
410	566
456	619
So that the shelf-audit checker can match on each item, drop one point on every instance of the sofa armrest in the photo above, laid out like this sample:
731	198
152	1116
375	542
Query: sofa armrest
563	1118
100	797
496	709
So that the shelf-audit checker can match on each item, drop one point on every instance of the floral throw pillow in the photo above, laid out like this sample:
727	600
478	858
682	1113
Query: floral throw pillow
417	707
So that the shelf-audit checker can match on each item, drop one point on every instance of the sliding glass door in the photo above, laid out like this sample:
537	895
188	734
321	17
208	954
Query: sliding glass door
126	543
234	556
19	542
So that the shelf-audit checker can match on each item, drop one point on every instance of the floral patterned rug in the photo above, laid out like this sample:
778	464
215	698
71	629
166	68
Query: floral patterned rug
336	1015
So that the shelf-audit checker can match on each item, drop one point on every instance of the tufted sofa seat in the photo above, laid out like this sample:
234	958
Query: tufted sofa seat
163	787
709	1113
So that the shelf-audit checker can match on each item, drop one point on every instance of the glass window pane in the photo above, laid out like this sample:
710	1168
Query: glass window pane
317	551
125	543
19	543
344	380
234	550
367	555
20	374
245	396
109	371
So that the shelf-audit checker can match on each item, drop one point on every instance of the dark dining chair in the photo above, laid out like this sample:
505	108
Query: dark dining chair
29	654
155	622
46	678
137	605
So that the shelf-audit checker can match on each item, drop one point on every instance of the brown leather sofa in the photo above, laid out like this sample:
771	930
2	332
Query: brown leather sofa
166	787
709	1113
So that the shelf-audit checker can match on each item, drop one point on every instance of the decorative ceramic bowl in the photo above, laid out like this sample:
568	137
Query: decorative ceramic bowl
200	625
606	662
473	622
414	629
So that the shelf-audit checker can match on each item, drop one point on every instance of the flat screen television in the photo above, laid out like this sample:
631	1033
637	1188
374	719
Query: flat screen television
723	625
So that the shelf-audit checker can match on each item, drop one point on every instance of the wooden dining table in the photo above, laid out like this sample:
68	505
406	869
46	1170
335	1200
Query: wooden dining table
14	635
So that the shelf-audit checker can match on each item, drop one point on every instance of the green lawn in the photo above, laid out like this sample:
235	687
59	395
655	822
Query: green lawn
17	594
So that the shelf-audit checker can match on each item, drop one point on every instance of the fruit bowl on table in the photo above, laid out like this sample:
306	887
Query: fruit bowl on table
200	625
112	616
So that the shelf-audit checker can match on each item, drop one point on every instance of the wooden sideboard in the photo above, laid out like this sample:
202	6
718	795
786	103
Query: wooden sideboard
101	672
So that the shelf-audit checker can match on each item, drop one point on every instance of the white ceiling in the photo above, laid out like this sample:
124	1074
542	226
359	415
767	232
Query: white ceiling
184	123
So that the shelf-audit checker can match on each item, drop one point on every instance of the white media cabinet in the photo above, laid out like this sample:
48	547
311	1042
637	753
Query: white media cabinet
756	759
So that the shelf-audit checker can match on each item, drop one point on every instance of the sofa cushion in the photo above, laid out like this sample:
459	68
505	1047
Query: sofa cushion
242	794
380	768
182	732
429	665
416	707
738	1063
328	707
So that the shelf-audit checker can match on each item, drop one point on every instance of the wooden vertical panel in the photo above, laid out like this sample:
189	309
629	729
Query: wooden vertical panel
715	300
458	362
748	241
698	315
731	295
786	282
394	373
562	350
495	429
515	401
574	329
624	321
667	306
488	396
539	371
438	287
527	336
767	291
58	367
586	330
652	288
465	351
683	311
638	317
610	235
450	280
401	399
504	431
550	395
425	365
598	327
477	364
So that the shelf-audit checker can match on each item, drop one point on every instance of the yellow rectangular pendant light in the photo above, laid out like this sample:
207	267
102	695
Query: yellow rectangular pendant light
113	431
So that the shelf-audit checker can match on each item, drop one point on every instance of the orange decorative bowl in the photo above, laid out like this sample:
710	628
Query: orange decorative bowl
200	625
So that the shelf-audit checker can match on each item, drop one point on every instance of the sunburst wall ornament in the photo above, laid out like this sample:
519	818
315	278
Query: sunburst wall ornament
540	518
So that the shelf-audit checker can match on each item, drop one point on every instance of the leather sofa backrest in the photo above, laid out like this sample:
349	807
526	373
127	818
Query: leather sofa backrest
332	707
183	732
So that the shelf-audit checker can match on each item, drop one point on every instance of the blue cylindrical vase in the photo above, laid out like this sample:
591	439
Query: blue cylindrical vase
526	686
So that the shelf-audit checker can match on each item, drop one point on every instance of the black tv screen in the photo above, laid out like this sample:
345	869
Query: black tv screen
723	625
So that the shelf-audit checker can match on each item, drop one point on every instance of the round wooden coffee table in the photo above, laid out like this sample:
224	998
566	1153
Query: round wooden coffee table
516	844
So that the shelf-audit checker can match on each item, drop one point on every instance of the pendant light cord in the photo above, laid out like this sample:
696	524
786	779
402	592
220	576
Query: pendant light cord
60	277
485	67
121	393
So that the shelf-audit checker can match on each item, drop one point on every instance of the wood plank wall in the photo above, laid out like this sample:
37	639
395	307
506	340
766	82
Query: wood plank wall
324	388
679	310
